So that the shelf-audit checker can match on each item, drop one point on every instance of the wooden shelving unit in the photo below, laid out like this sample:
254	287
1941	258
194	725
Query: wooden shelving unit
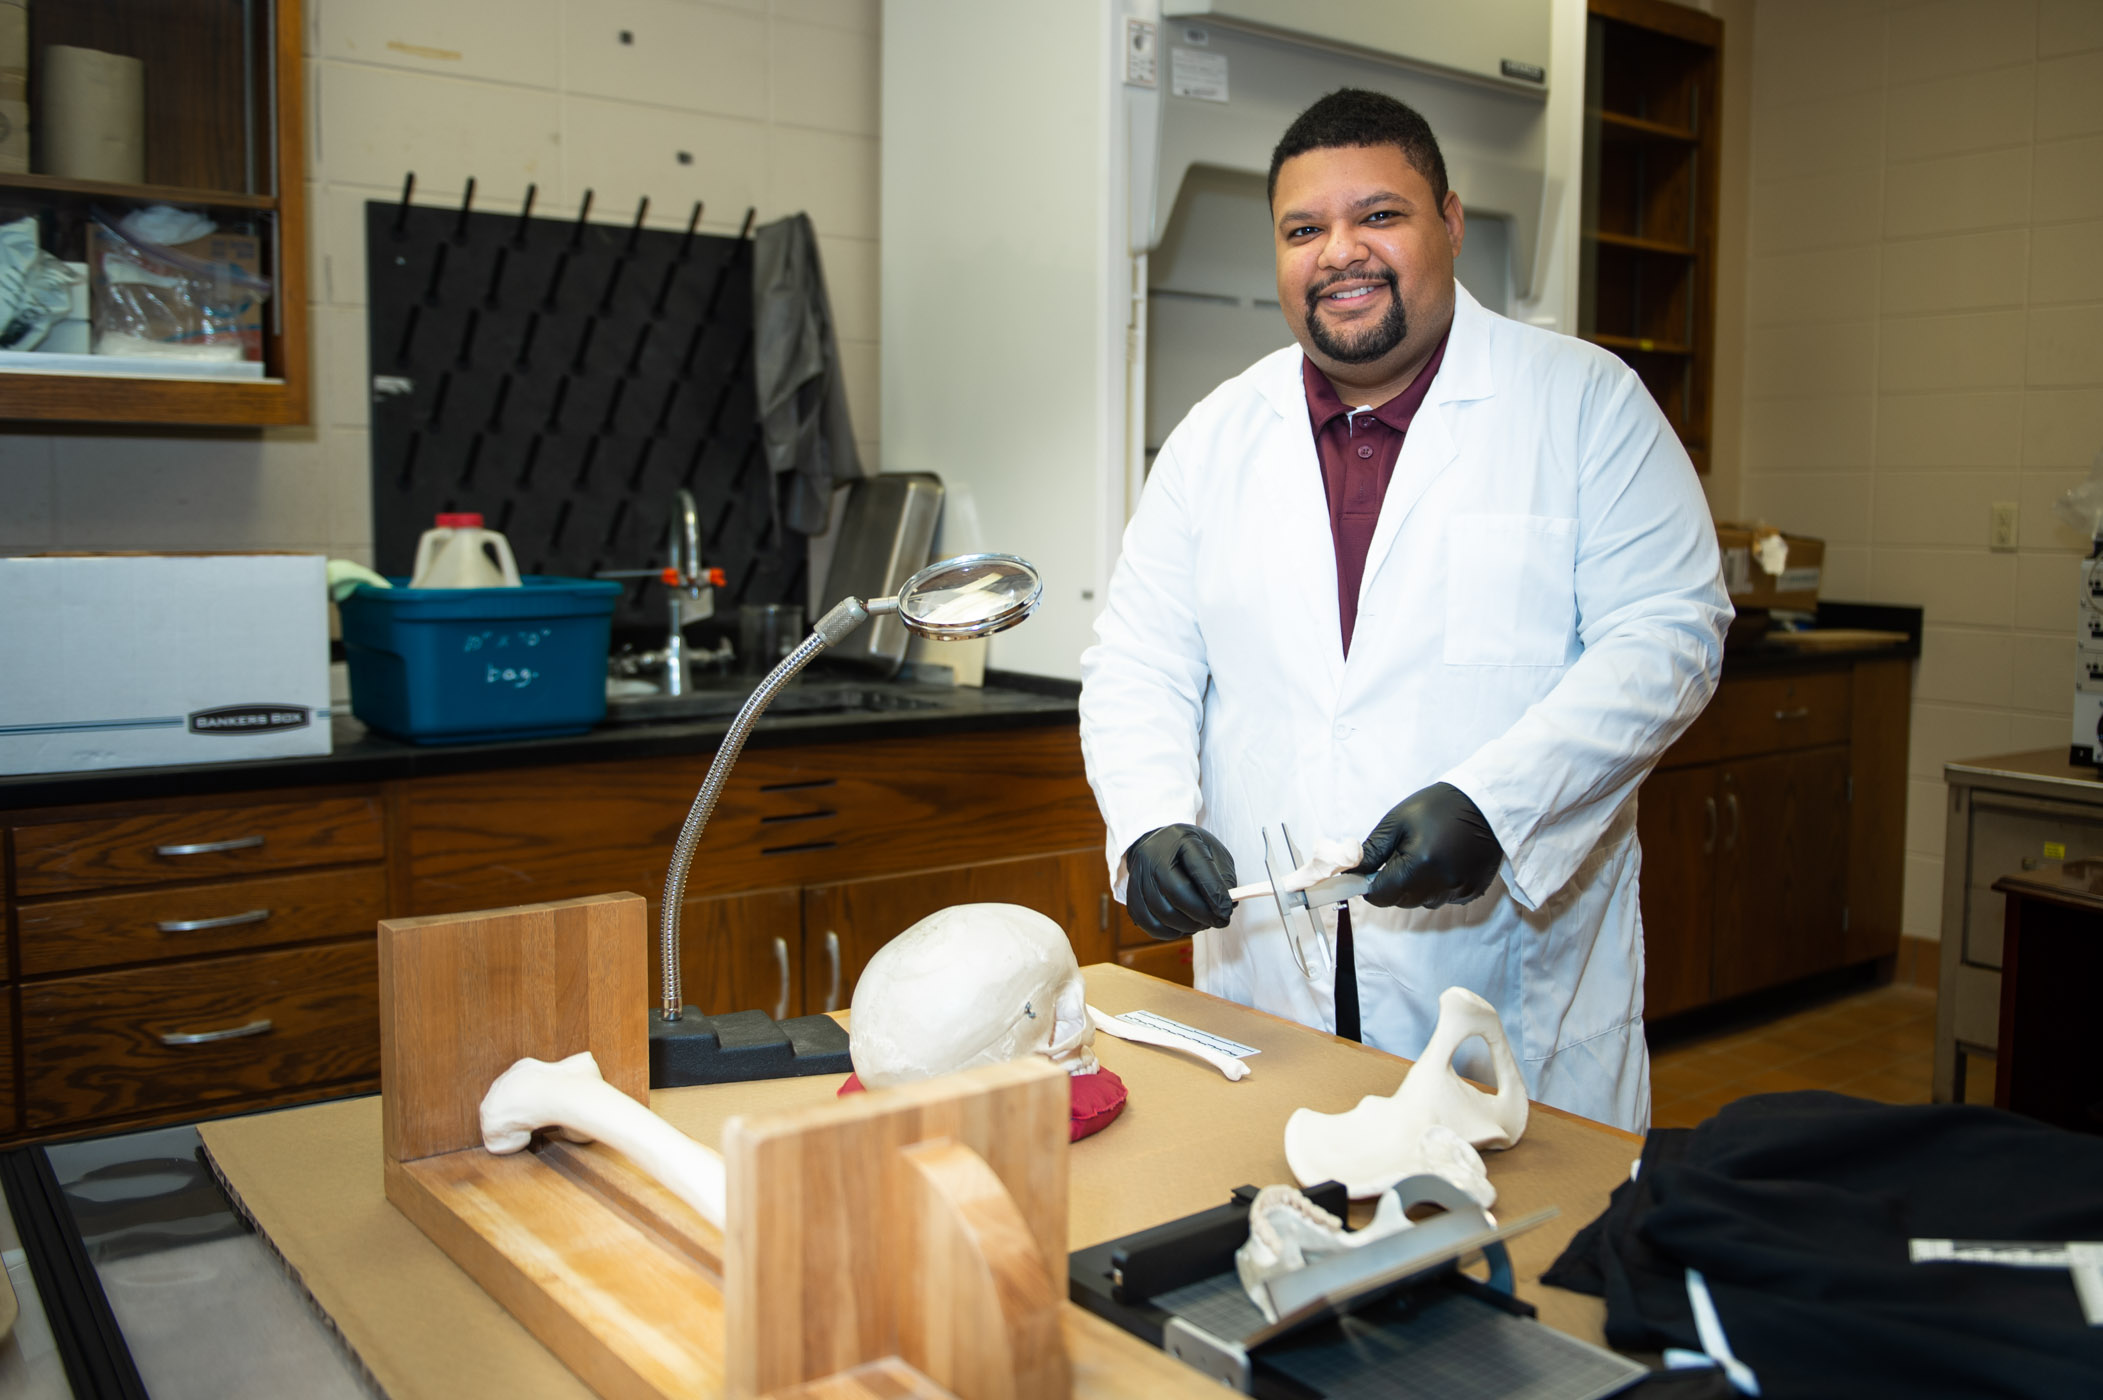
1647	283
225	134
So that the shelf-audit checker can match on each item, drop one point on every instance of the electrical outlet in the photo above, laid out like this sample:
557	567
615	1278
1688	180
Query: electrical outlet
2002	534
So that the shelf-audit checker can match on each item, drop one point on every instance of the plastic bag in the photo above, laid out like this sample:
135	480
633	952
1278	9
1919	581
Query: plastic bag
2082	507
194	302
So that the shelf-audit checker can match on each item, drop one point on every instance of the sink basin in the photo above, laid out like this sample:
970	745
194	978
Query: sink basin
828	698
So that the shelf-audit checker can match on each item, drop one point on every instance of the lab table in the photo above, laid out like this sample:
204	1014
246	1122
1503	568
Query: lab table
230	1318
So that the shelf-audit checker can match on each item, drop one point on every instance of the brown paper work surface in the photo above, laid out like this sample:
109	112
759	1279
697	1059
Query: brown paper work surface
311	1180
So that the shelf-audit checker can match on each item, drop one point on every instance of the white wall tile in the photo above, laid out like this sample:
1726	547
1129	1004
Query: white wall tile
1783	361
342	383
1829	284
697	58
2067	187
1830	506
2038	527
2042	669
831	177
2066	263
1966	112
506	41
2028	733
27	493
1815	431
1810	49
1927	816
2068	26
346	462
1954	194
2045	593
1964	667
1815	211
1940	508
2070	96
206	491
853	281
1949	430
1834	135
1921	905
1950	733
377	123
622	151
1966	272
2062	427
1968	587
1979	350
1958	36
865	16
2066	346
824	77
1846	573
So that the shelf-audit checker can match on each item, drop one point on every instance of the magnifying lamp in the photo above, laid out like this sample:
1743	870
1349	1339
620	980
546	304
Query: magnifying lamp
972	595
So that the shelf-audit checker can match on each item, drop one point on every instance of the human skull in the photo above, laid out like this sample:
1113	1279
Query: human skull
973	984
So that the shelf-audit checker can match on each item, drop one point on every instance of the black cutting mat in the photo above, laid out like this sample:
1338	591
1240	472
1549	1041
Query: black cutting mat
562	378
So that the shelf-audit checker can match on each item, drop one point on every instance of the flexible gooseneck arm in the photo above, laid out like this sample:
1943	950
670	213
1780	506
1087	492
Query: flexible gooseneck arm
845	616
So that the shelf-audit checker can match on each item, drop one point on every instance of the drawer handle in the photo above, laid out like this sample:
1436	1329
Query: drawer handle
1730	804
1800	712
781	965
1708	836
253	916
832	958
207	848
207	1037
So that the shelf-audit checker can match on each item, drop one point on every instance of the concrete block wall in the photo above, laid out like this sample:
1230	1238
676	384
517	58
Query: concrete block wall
1924	306
763	103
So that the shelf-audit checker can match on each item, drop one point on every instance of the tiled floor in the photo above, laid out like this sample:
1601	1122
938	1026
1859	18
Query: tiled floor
1876	1044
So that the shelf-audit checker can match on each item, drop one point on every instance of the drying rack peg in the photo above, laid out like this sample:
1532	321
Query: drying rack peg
591	324
642	464
496	404
445	383
635	230
583	213
469	459
613	405
591	454
496	277
437	274
562	391
635	356
562	265
745	231
525	217
693	221
613	280
467	336
401	210
467	202
401	350
525	340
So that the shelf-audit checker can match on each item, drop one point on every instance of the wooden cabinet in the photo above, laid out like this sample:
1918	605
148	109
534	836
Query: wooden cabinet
1773	834
225	134
1647	279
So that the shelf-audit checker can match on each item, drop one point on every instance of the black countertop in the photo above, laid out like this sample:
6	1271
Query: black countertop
1008	701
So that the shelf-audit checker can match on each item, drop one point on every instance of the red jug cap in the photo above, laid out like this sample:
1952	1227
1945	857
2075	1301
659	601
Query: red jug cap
460	520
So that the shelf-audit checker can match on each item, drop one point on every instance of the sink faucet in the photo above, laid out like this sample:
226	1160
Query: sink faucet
688	587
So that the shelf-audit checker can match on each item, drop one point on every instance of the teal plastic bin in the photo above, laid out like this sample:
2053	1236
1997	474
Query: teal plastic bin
457	665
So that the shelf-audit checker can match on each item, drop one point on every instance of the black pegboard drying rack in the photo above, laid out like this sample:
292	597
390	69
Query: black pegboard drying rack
564	378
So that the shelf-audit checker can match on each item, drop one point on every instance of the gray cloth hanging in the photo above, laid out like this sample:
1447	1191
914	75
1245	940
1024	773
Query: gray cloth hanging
802	397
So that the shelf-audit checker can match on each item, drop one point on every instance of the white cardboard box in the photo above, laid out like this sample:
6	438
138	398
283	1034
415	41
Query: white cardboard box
135	660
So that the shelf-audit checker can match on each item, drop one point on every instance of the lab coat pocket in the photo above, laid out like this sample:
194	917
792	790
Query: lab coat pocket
1511	589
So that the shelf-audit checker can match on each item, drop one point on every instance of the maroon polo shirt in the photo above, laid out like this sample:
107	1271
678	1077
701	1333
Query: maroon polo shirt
1358	452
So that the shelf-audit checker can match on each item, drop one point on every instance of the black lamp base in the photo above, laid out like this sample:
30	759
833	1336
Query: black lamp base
742	1045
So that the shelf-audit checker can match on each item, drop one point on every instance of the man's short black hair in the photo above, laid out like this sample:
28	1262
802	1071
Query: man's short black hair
1356	117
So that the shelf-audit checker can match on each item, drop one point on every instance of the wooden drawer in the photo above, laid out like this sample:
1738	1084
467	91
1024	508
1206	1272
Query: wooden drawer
9	1120
98	1047
1765	714
202	843
1171	962
105	930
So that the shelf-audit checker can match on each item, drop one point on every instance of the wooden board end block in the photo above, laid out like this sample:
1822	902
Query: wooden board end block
463	997
926	1222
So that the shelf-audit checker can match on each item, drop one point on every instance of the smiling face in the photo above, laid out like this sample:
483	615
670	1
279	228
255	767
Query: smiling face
1365	264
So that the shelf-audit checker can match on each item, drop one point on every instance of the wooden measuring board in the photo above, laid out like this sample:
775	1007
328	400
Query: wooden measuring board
905	1242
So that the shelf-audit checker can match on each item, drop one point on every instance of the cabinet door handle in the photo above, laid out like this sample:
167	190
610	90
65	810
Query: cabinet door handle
832	961
253	916
781	966
1708	838
208	848
1800	712
1730	804
207	1037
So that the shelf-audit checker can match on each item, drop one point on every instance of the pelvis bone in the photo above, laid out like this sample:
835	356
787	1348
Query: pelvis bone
1433	1123
570	1095
973	984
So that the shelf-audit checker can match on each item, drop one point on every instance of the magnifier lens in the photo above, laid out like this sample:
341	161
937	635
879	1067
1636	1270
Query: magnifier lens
971	596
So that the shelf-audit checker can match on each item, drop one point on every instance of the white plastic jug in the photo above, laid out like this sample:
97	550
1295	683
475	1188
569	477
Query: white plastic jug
456	553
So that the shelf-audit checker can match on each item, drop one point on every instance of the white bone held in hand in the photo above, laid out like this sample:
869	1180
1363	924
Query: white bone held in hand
570	1095
1432	1123
1328	859
1147	1035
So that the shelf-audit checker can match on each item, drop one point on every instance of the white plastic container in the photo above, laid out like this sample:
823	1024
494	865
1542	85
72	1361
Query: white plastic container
458	553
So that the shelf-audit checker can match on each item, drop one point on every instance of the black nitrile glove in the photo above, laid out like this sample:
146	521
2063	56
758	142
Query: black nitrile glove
1433	847
1178	879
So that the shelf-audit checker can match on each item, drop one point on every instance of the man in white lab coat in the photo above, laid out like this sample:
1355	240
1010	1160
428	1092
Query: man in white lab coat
1431	575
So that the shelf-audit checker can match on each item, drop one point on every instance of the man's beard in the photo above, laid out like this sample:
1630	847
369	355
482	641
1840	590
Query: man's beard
1365	346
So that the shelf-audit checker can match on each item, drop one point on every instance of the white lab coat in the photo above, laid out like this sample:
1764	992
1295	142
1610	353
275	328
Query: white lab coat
1541	615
